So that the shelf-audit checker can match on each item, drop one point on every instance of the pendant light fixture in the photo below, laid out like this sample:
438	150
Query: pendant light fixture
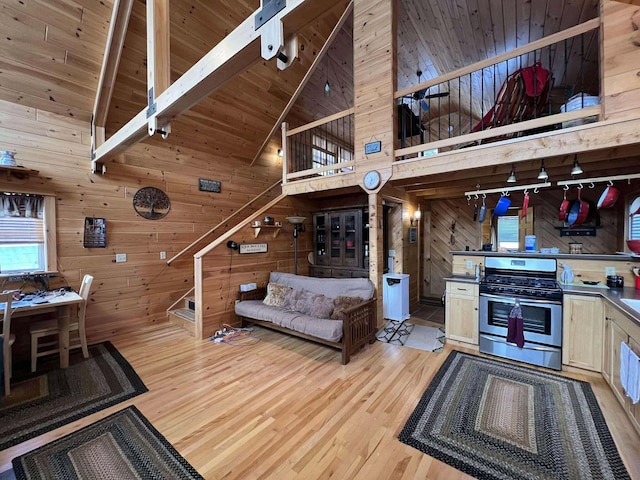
512	176
327	87
543	175
576	170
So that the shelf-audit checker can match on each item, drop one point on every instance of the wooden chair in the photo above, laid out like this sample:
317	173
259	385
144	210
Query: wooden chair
7	341
49	328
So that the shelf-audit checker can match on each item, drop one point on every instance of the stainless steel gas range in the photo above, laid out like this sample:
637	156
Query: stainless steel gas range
531	282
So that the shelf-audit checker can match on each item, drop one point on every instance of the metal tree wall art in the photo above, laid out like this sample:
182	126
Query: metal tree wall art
151	203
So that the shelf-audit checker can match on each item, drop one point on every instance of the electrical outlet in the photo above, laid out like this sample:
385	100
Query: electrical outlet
121	257
609	271
469	264
163	255
392	253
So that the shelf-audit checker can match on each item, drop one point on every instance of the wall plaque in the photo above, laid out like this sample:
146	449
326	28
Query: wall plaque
95	232
413	234
253	247
209	185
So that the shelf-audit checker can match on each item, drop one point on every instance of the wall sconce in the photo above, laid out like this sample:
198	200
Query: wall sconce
280	153
512	175
416	217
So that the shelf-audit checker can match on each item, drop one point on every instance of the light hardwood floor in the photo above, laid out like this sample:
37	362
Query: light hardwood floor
286	408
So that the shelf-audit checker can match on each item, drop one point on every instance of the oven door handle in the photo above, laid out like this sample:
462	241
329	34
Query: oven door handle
539	348
523	300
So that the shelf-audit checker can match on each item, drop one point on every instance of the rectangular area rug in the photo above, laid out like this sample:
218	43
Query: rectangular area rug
122	446
46	401
422	337
496	420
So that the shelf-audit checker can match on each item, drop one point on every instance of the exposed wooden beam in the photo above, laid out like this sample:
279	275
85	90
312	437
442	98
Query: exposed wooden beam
305	80
158	61
235	53
113	49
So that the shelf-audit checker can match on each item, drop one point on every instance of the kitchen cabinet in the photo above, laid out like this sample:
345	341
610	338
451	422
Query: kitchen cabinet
341	244
461	312
582	331
620	328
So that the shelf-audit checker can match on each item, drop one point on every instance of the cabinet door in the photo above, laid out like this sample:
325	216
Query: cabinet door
607	360
461	312
320	238
582	332
336	228
634	410
618	335
351	238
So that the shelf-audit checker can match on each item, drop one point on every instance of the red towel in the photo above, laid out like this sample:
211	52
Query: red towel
515	326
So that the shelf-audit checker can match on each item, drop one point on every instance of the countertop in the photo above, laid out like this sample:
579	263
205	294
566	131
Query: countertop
585	256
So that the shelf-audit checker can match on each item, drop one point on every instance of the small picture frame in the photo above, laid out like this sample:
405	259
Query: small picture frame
413	234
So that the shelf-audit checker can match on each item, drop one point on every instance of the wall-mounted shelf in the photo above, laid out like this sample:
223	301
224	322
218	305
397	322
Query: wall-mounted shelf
17	172
275	228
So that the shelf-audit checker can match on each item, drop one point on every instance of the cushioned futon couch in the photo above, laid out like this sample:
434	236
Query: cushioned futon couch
338	312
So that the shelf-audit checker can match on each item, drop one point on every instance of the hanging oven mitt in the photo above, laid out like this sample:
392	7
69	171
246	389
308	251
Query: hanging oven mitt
515	326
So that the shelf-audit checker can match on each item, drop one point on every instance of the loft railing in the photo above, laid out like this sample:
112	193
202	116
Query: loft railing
320	148
548	84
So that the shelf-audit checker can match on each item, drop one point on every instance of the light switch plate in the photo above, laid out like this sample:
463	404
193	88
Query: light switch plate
392	253
469	264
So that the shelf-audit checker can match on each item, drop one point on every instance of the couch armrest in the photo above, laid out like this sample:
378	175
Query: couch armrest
257	294
359	326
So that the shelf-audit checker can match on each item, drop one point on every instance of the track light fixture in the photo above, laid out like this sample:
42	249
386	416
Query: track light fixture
512	175
576	170
543	175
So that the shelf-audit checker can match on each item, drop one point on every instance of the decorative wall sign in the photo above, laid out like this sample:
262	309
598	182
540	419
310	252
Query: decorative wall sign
151	203
209	185
253	247
372	147
95	232
413	234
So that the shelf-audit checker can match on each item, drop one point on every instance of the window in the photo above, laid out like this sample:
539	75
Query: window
325	153
634	220
25	220
508	232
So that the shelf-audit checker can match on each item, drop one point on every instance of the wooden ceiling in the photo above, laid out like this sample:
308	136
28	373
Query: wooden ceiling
51	53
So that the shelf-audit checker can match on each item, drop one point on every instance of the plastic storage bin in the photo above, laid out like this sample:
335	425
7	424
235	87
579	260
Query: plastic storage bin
395	296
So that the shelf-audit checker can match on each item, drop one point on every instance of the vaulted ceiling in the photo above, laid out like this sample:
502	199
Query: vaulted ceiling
51	54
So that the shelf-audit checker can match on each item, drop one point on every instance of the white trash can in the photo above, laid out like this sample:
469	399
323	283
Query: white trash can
395	296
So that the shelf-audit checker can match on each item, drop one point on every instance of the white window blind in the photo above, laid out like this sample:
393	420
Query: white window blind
18	230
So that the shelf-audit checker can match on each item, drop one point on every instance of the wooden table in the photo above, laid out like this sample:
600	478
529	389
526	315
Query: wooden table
60	303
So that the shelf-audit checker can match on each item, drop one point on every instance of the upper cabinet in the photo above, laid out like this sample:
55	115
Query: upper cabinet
341	244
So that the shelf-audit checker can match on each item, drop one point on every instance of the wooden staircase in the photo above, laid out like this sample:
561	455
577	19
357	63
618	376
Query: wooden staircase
185	316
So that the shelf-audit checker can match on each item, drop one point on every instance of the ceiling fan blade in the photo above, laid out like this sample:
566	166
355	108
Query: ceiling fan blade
422	94
437	95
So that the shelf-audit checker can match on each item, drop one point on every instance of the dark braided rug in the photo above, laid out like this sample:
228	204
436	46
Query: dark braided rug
495	420
45	401
122	446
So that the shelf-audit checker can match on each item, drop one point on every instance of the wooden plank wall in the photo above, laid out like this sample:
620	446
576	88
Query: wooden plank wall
545	205
127	296
621	49
224	270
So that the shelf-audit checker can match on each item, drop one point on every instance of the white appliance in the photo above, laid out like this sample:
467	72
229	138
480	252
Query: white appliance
395	296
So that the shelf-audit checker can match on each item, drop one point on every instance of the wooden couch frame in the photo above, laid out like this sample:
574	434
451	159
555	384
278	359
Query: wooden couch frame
358	327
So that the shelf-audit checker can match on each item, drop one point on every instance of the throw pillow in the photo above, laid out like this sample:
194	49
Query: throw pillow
276	294
309	303
342	303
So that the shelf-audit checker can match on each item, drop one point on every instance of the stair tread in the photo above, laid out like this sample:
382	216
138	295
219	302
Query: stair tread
185	313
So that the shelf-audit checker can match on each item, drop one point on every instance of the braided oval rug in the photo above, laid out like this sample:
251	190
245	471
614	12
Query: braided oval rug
496	420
